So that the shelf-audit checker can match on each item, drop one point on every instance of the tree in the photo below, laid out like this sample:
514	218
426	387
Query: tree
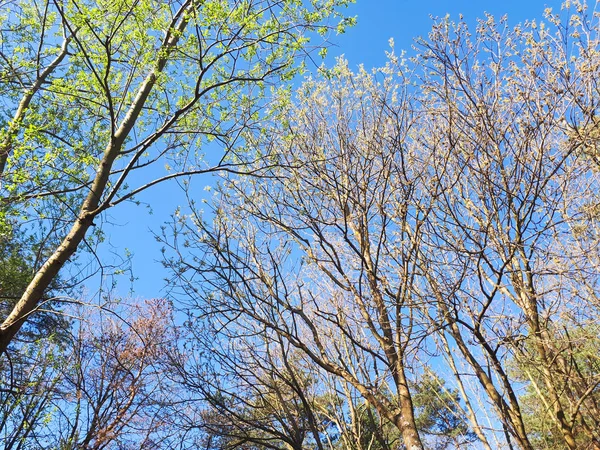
439	414
580	346
102	386
437	207
24	357
502	109
251	391
18	263
95	92
346	304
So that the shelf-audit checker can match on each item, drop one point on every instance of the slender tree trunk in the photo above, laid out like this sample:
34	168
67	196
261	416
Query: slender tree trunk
91	206
406	420
524	285
471	413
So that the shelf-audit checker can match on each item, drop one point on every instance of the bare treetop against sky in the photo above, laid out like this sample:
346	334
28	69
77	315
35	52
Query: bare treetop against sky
377	225
405	20
366	44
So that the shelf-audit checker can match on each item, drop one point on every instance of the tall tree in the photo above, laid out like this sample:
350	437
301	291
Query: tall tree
320	252
509	258
441	206
97	91
248	388
104	384
19	260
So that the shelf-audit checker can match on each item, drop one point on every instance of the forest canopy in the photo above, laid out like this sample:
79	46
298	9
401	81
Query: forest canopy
404	257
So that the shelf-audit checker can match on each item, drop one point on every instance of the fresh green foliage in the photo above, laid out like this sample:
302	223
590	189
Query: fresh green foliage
102	100
17	265
440	416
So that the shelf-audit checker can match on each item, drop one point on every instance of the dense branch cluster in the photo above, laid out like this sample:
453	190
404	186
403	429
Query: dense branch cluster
436	216
407	257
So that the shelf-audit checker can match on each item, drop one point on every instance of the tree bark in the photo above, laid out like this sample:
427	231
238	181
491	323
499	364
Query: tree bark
91	206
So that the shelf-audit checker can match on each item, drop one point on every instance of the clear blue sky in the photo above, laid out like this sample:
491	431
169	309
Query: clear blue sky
404	20
378	21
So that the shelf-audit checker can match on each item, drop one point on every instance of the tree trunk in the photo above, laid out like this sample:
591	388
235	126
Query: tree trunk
91	206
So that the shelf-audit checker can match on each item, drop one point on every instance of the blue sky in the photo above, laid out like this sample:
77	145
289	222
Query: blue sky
404	20
366	43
